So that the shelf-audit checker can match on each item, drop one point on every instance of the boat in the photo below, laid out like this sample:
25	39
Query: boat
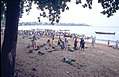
110	33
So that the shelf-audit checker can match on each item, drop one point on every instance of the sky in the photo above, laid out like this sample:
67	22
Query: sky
78	14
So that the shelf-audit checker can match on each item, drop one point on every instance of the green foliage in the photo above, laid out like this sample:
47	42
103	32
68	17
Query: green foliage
110	6
56	7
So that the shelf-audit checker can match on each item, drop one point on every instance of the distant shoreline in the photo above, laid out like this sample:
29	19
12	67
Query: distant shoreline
57	24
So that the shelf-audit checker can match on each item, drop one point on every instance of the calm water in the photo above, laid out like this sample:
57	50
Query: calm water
87	30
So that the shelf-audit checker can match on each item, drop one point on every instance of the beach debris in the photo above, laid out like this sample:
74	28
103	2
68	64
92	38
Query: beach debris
30	51
40	53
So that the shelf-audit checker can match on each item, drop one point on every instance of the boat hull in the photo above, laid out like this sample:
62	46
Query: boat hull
105	33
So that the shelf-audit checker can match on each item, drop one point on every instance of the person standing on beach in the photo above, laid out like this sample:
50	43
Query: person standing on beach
62	44
53	42
117	42
82	44
108	42
93	41
75	44
65	43
33	41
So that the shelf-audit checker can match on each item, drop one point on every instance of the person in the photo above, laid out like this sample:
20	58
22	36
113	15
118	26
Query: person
53	42
65	42
93	41
48	42
82	44
75	43
117	42
108	42
62	44
33	41
58	43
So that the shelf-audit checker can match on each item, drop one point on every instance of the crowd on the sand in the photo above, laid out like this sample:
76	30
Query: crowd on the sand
79	42
62	43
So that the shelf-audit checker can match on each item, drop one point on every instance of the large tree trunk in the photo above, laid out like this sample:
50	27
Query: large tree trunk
10	38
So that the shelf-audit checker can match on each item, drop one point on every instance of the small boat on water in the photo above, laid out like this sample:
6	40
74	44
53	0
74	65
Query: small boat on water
105	33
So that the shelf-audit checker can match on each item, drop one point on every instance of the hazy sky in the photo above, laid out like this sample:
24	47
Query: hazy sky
78	14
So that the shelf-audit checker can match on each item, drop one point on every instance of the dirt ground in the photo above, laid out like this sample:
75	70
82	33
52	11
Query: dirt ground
98	61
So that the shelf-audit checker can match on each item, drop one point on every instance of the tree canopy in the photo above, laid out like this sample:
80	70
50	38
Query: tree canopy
56	7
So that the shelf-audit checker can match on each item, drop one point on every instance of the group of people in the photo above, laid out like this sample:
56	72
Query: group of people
60	43
81	46
63	44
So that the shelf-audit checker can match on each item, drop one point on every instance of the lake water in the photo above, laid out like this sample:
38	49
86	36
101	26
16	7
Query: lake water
87	30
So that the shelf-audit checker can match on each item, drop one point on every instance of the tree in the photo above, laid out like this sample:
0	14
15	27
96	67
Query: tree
10	39
12	10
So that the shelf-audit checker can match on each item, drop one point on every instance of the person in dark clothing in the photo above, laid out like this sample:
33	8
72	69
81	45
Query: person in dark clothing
75	44
82	44
62	44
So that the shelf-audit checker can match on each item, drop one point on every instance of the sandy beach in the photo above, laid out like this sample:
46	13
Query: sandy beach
98	61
